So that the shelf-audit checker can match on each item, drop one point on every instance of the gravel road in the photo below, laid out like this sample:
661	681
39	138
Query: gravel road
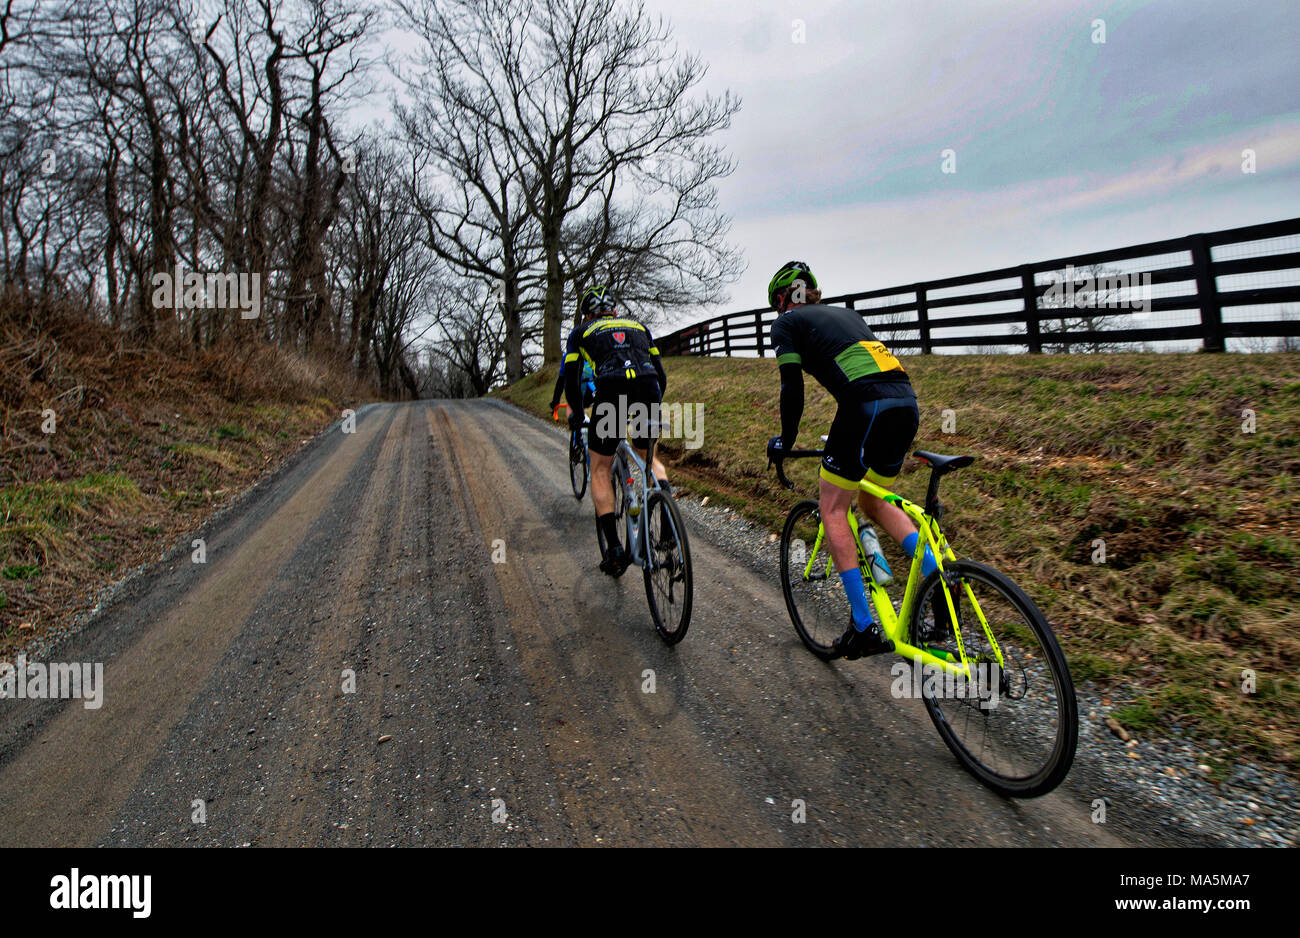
351	667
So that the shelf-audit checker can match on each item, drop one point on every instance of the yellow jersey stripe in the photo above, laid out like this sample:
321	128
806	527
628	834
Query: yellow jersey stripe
602	324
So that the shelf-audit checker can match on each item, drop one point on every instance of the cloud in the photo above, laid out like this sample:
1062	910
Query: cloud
1063	145
874	244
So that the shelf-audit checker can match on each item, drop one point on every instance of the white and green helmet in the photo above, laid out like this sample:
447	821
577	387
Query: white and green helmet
786	276
595	300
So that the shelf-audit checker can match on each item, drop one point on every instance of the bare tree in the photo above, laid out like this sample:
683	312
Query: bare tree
473	196
597	111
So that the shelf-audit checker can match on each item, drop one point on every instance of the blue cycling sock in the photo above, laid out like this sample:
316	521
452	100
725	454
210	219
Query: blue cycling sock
852	580
928	565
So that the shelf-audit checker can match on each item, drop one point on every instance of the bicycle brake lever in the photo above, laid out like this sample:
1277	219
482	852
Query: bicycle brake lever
780	474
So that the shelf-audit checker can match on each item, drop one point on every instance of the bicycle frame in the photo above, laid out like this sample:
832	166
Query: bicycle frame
893	623
637	533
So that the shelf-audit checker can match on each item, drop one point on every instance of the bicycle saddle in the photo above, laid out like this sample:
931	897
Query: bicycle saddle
943	464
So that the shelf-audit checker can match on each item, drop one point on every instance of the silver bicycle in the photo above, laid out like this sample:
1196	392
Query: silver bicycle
656	541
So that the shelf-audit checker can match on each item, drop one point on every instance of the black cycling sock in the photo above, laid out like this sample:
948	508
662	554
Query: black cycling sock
667	489
609	528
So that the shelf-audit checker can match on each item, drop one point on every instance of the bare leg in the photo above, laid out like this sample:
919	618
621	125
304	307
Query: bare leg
602	490
657	467
834	506
890	517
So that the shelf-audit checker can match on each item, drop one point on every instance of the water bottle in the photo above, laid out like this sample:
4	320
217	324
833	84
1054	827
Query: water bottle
633	503
876	563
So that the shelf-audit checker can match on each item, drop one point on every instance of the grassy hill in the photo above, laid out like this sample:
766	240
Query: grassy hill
1201	520
114	448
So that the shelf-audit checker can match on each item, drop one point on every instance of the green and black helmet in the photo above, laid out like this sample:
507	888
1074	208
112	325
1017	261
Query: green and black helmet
595	300
786	276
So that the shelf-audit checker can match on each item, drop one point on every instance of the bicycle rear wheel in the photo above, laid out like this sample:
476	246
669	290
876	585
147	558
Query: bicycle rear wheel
669	588
1016	725
813	595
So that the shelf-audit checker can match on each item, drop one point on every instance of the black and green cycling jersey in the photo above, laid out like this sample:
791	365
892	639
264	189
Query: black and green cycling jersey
837	347
618	349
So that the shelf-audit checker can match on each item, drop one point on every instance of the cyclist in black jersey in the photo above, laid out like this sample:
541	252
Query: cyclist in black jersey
576	453
585	316
630	381
875	423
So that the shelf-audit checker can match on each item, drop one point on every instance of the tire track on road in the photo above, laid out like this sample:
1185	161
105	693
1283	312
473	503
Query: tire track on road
84	763
672	790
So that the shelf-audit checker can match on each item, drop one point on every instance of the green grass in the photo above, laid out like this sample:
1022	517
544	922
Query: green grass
1201	521
38	517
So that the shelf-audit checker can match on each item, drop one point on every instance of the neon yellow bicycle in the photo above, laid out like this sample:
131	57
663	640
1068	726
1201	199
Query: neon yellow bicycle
983	658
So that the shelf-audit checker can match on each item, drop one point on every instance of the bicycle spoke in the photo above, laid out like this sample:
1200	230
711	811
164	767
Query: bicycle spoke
1013	722
813	595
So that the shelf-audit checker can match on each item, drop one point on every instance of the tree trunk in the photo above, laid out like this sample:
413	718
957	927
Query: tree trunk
553	312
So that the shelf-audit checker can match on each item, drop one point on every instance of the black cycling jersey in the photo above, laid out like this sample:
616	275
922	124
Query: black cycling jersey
588	377
616	347
837	347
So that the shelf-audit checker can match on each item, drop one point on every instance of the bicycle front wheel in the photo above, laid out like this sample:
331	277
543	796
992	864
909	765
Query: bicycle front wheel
813	595
668	585
578	477
1015	725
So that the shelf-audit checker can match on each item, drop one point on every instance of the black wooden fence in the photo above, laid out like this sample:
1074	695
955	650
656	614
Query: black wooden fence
1176	284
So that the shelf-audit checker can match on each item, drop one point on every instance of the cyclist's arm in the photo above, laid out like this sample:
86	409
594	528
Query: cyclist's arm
559	388
791	403
573	374
791	364
659	365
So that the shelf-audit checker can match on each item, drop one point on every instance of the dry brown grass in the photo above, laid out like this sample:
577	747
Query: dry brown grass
149	438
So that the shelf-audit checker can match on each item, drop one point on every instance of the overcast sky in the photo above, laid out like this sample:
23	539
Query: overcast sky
1062	144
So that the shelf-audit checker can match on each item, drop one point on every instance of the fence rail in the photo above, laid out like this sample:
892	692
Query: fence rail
1096	301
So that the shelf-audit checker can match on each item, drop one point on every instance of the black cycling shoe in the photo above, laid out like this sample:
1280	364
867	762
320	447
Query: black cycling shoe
615	562
870	641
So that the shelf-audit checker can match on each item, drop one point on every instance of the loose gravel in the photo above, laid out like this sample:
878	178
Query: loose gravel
1255	805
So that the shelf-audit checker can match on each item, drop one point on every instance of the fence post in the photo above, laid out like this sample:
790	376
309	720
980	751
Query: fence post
1207	291
726	337
923	318
758	332
1030	296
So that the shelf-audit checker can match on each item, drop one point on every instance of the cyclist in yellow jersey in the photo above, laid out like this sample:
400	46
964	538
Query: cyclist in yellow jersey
874	426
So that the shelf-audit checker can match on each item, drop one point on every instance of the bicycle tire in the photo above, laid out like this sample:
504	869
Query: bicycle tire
1058	762
578	474
823	650
658	501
